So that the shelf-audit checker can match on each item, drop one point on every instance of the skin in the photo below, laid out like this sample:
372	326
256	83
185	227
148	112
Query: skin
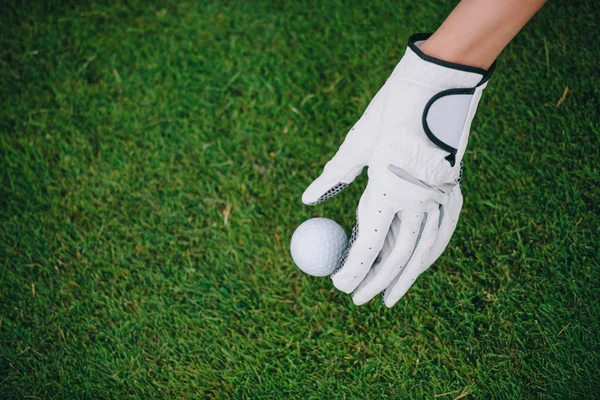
478	30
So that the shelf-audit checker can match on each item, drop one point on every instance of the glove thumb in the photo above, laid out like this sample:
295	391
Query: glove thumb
336	177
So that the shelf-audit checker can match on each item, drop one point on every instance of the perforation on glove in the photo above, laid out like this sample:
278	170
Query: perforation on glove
412	137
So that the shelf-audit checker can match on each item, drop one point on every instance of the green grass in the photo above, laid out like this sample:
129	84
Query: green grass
152	159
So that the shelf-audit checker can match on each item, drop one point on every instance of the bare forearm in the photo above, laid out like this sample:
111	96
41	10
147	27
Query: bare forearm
478	30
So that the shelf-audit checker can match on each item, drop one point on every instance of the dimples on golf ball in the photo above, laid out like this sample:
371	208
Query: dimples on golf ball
317	246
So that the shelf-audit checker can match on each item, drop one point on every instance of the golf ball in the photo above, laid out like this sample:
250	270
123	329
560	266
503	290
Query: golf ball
317	246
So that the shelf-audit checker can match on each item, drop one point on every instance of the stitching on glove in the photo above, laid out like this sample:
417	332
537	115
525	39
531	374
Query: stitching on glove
405	175
330	193
441	208
418	241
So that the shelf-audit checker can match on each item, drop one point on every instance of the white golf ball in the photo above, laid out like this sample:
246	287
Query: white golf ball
317	246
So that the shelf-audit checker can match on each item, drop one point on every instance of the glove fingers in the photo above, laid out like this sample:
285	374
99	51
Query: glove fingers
333	180
393	257
419	262
342	169
374	218
448	220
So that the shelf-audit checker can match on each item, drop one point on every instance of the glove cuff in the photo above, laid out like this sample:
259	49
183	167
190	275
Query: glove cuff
418	66
414	44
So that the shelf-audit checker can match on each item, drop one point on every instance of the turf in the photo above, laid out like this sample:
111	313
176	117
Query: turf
152	159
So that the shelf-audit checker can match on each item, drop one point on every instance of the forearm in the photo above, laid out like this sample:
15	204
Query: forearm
478	30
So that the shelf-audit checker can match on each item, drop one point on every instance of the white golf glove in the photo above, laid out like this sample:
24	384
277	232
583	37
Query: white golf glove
412	137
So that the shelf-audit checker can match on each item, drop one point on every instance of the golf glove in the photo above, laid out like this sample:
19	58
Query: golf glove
412	137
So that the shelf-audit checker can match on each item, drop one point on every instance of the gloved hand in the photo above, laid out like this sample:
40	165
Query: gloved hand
412	137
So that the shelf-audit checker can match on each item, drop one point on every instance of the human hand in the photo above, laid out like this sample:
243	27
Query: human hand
412	137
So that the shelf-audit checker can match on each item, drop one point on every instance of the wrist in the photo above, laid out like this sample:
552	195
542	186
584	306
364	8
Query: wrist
459	51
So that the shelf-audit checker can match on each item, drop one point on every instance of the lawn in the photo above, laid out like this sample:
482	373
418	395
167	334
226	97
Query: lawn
152	159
